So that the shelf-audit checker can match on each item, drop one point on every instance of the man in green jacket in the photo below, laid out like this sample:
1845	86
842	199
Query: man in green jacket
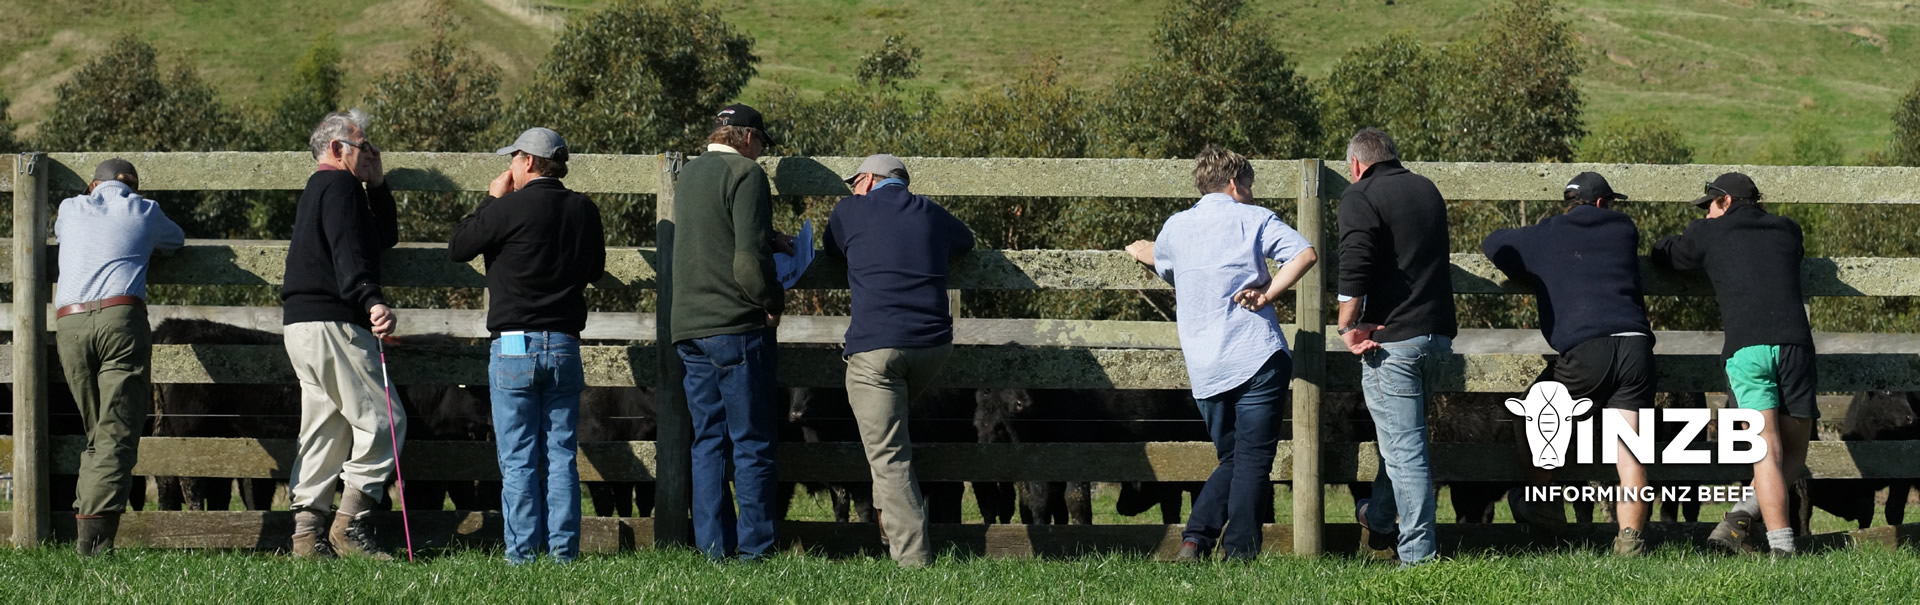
727	301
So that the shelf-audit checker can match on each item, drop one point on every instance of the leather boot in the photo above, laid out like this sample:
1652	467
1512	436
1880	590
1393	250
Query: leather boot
310	535
352	532
96	533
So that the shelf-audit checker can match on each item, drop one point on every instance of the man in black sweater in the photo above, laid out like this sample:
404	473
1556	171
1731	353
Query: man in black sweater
543	244
334	314
896	245
1396	312
1753	259
1584	266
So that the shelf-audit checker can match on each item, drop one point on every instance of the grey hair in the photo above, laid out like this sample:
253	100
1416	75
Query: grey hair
337	126
1372	146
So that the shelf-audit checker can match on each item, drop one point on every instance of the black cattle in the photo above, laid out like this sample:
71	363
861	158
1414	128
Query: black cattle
449	413
1032	416
260	411
1872	416
619	414
822	415
63	420
1130	416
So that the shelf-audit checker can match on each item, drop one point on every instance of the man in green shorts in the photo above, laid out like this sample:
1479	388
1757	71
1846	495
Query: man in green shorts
1753	259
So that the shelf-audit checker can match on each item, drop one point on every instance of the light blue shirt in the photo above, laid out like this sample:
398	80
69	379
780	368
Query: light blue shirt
1209	252
106	238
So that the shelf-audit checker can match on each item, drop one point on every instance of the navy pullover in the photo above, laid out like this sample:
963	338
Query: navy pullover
1585	268
896	246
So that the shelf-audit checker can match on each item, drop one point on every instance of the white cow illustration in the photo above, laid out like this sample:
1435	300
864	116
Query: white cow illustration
1549	411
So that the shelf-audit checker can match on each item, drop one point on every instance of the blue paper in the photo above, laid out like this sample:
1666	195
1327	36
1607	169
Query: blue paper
513	343
789	267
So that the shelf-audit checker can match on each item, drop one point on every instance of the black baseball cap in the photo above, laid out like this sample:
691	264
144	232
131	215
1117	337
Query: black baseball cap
111	170
745	116
1590	186
1733	183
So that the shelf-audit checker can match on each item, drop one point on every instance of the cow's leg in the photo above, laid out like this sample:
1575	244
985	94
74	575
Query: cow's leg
642	499
170	492
256	494
842	501
1079	502
1896	509
943	500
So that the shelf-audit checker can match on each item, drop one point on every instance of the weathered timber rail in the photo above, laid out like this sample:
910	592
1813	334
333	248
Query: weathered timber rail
994	352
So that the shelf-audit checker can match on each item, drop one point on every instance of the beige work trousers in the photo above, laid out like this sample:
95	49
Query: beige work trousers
343	414
880	385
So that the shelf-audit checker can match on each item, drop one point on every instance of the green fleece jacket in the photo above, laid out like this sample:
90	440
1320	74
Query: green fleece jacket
723	276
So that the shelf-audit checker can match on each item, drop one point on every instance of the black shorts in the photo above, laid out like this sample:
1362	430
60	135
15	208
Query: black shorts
1614	371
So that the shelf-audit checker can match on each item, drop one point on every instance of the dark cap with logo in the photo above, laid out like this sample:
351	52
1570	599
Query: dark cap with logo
1733	183
1590	186
744	116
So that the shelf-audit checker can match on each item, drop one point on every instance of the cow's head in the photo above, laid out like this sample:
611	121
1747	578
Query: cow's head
1549	412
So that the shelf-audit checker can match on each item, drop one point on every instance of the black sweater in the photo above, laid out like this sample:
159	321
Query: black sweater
1753	259
896	246
1585	268
1393	251
543	245
333	263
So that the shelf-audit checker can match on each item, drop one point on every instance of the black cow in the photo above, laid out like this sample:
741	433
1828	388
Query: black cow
260	411
823	415
448	413
1032	416
1872	416
619	414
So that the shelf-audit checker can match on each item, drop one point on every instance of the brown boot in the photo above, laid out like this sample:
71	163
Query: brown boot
310	535
96	533
352	532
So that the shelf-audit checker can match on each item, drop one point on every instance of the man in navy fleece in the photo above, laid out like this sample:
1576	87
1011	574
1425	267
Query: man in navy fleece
1585	271
896	245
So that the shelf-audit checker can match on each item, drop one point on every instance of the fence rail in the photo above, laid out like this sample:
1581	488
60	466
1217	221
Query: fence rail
1044	353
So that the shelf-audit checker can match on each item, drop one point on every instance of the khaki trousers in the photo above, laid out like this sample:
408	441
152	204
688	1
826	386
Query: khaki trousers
880	384
343	414
105	355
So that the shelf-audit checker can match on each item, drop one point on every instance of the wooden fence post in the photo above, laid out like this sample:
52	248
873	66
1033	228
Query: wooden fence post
673	487
32	519
1309	370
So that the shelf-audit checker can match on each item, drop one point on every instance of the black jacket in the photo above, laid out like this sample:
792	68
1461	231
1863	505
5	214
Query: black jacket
1585	268
896	246
1393	251
543	245
1753	259
333	263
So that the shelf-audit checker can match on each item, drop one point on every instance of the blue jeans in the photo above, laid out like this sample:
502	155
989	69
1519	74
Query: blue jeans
1245	426
536	407
730	395
1396	379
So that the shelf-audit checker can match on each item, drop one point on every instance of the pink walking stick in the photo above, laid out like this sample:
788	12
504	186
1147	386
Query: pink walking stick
400	479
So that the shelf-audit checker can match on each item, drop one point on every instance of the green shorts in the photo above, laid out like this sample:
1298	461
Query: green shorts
1765	377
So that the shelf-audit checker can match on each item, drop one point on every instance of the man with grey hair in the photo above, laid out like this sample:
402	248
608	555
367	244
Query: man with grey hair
896	246
1396	313
335	315
106	347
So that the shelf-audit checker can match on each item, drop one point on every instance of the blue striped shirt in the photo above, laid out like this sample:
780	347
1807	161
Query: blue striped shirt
106	238
1209	252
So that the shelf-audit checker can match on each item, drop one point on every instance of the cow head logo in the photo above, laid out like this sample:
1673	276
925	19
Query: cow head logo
1549	412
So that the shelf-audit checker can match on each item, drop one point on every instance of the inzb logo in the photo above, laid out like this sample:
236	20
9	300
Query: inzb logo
1549	412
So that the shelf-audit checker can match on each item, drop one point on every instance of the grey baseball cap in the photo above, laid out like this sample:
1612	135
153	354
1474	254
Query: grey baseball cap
111	170
880	163
538	142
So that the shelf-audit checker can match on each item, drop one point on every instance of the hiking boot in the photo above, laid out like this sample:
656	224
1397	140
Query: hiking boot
1376	540
1732	533
96	534
310	536
1630	543
1189	552
353	536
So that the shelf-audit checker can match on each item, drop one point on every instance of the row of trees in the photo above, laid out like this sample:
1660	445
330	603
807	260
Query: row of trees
644	76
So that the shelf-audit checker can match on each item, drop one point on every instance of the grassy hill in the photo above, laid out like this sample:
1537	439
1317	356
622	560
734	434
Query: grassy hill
1732	73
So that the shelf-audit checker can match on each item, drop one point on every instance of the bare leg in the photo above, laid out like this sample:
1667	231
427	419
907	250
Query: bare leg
1633	478
1769	476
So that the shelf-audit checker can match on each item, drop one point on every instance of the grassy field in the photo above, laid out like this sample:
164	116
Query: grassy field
1731	73
56	576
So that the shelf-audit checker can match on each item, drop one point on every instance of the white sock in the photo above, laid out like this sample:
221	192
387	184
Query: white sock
1750	506
1781	539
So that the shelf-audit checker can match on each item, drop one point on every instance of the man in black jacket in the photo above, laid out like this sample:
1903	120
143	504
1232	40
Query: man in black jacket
334	314
1753	259
1584	266
543	245
1396	312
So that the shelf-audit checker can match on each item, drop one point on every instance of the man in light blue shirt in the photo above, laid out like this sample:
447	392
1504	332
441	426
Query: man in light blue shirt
1215	256
106	238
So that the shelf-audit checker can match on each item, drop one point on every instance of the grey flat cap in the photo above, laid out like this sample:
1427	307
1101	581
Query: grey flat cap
111	170
882	164
538	142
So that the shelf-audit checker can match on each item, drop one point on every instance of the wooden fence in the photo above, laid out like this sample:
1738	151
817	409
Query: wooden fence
1049	353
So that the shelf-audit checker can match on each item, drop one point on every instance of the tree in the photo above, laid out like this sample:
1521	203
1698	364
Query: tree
1216	77
894	61
1389	85
313	92
1626	139
442	99
637	77
1906	129
121	101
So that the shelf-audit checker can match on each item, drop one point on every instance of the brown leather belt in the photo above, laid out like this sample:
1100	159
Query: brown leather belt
111	301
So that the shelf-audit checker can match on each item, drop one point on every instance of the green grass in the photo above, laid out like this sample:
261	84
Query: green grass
56	576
